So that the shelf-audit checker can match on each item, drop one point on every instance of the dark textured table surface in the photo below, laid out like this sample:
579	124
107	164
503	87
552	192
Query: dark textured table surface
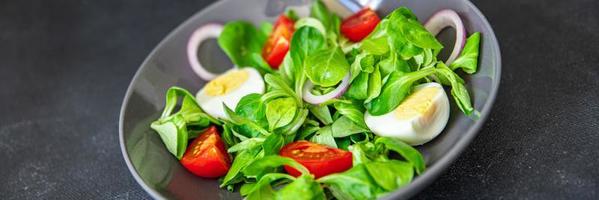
65	66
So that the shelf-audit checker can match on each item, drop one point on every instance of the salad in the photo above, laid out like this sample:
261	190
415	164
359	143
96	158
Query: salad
319	107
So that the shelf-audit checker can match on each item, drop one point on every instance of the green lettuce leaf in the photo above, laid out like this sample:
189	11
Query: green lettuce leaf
172	127
243	43
468	59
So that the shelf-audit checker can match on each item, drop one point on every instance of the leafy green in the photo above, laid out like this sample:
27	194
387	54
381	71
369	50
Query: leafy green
242	160
390	174
361	137
278	85
190	110
251	187
402	32
334	33
354	111
262	188
468	59
291	14
406	151
375	83
262	191
172	127
354	183
240	136
318	90
287	70
311	22
242	42
320	12
404	12
280	112
359	87
415	33
409	51
343	143
458	90
173	134
375	46
239	121
326	67
324	136
251	107
322	113
368	63
393	63
296	123
362	62
344	127
373	174
363	152
246	144
305	41
266	28
303	188
394	91
272	144
285	108
228	136
306	132
270	163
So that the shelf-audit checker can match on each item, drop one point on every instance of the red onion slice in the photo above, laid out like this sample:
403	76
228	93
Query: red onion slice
448	18
203	33
314	99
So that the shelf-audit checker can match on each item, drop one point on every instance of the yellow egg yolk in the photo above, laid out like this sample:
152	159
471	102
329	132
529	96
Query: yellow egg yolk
418	103
226	83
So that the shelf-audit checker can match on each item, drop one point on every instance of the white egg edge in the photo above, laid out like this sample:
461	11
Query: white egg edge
213	105
409	130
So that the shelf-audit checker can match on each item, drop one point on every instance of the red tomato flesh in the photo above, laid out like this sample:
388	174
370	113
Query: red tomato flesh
206	156
277	54
277	44
359	25
319	159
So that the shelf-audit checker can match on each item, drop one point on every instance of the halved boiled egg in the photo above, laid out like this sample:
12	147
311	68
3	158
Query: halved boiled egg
229	88
418	119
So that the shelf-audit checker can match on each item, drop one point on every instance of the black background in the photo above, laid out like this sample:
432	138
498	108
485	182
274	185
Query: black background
65	66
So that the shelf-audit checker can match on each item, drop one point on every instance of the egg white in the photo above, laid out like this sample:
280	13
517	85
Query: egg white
416	130
213	105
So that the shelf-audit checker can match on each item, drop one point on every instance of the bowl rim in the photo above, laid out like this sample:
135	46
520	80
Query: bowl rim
411	189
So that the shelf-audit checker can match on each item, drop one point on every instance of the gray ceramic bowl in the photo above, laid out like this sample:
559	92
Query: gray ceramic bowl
159	173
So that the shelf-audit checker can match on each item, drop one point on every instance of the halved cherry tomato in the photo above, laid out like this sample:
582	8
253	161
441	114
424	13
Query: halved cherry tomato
319	159
359	25
206	156
277	44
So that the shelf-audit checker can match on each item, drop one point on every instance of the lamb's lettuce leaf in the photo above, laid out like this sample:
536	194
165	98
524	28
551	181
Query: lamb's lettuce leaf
406	151
324	136
173	127
305	41
251	107
468	59
458	90
326	67
397	87
280	112
243	43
